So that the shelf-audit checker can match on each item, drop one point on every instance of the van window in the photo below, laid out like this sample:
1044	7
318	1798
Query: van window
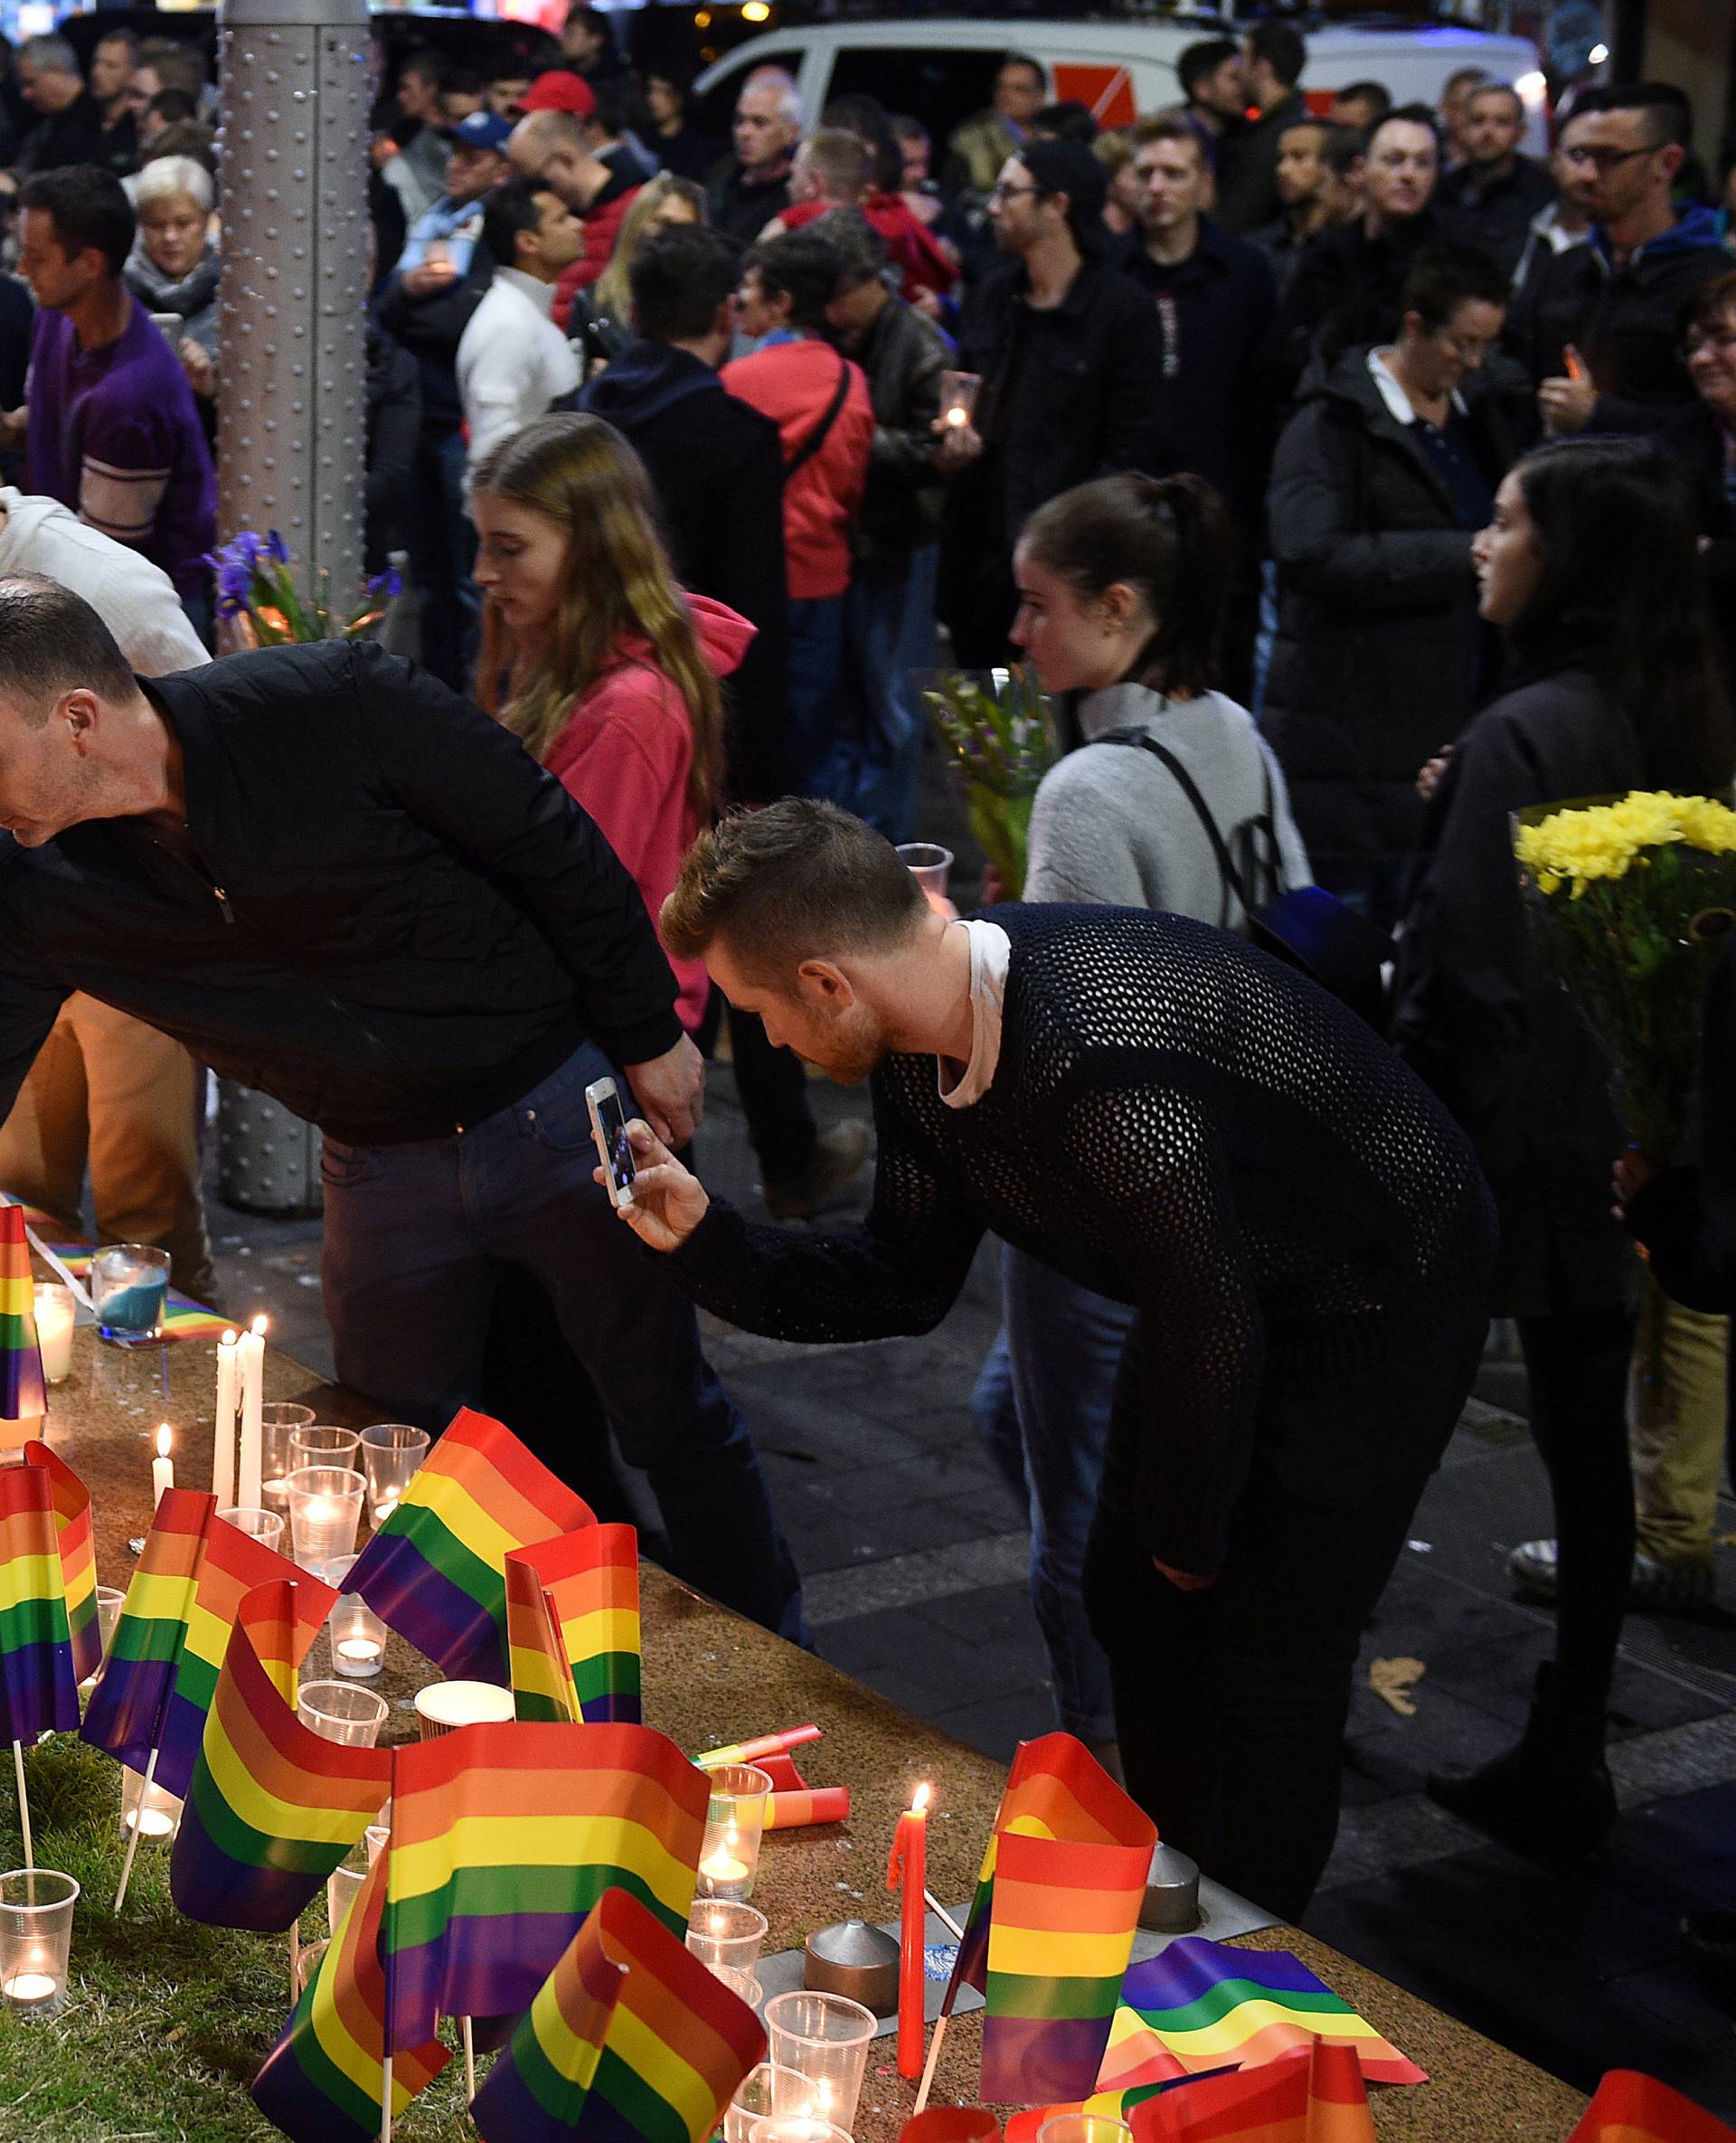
941	88
711	113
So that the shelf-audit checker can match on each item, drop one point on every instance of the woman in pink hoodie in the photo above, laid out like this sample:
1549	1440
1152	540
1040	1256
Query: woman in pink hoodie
592	653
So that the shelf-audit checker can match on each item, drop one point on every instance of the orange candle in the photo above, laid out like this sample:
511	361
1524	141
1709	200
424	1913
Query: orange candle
907	1873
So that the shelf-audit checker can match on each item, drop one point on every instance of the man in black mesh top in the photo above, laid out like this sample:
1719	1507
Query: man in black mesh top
1177	1121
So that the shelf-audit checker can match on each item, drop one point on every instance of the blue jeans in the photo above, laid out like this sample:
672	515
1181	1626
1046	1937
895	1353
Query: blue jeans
415	1237
878	722
1063	1348
816	654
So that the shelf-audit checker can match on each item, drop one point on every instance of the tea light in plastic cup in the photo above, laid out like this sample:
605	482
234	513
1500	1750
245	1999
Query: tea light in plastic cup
35	1939
307	1961
1084	2128
959	398
797	2127
742	1984
278	1418
153	1810
444	1707
930	865
358	1637
376	1838
324	1511
826	2038
734	1822
314	1443
56	1314
340	1712
723	1932
129	1283
263	1526
392	1452
763	2092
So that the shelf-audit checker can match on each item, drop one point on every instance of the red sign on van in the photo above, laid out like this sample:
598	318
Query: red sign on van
1105	91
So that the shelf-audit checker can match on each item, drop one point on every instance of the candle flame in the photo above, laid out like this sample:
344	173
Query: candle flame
259	1325
919	1799
164	1439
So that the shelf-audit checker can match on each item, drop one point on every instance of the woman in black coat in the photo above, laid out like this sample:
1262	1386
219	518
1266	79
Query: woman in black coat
1590	565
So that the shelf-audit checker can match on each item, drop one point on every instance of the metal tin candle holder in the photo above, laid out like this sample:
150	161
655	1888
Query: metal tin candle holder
855	1960
1171	1905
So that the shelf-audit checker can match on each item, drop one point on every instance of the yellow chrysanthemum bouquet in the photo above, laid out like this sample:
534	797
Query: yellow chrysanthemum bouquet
1633	895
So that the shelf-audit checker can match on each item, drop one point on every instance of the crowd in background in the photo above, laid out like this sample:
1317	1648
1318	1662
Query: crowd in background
1370	470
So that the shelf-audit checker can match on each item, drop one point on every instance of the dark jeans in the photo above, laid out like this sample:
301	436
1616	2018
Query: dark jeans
442	545
1576	1375
1231	1703
414	1238
772	1084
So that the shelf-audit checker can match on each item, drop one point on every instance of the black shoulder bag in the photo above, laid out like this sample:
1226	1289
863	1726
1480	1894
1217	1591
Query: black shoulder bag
1307	927
817	437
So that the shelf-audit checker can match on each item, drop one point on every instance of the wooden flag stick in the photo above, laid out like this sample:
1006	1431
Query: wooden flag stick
24	1803
470	2059
138	1816
943	1916
385	2099
927	2084
295	1961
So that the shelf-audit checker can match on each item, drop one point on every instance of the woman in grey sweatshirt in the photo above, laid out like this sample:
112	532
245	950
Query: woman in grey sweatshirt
1122	587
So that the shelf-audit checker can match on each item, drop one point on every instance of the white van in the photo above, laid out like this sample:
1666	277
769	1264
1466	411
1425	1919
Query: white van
942	71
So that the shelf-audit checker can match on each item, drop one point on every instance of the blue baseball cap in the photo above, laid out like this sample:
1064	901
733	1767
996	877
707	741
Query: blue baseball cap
481	130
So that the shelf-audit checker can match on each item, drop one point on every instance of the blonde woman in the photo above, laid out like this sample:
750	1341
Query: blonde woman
601	319
592	653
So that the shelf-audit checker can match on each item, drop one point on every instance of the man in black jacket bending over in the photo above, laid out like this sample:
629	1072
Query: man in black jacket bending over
1171	1118
336	880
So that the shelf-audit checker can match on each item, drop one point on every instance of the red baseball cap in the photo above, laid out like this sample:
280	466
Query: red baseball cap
560	90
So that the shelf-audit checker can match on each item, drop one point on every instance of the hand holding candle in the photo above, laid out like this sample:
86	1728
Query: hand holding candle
907	1873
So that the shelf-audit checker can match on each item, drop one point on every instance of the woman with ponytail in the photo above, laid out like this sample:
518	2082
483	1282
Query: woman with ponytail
593	656
1122	585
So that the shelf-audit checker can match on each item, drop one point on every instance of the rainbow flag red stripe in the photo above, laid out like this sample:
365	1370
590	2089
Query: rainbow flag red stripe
630	2039
1630	2107
1200	2006
323	2081
23	1396
572	1625
76	1538
273	1807
1311	2094
505	1836
436	1570
39	1691
167	1651
1052	1924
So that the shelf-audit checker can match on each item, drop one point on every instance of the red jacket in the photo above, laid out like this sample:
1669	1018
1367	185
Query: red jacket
625	753
911	248
602	228
794	384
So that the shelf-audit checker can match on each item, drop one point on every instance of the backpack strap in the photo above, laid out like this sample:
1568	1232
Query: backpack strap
1190	789
817	437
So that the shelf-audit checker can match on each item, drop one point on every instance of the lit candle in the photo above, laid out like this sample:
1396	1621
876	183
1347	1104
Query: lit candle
54	1320
252	1353
725	1865
162	1465
358	1648
907	1873
31	1991
222	1448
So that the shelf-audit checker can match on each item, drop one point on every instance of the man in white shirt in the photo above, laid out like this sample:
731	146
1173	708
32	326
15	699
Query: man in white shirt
106	1090
513	363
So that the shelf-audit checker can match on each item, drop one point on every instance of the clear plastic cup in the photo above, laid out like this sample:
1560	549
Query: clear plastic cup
340	1712
35	1941
958	392
279	1418
825	2037
129	1283
324	1512
797	2127
726	1932
110	1599
321	1443
1084	2128
392	1452
742	1984
932	867
263	1526
343	1885
152	1809
735	1821
308	1959
762	2093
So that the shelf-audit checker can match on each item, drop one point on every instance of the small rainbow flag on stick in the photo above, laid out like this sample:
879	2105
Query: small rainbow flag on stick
436	1570
1200	2006
39	1690
324	2080
1630	2107
1314	2094
503	1837
71	1501
631	2036
1052	1925
573	1626
23	1396
273	1807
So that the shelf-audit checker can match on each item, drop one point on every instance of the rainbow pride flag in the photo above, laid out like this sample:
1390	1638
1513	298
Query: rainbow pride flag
503	1837
273	1807
573	1626
629	2038
167	1651
23	1395
1314	2094
1200	2006
1052	1924
1630	2107
71	1501
323	2081
436	1570
39	1690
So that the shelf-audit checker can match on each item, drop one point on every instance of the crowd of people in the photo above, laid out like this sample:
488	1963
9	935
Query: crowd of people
1349	480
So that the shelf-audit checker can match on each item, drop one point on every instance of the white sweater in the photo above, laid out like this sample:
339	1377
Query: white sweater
136	599
513	362
1112	825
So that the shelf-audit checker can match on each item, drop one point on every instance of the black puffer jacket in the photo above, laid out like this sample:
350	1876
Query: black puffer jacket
382	912
1375	664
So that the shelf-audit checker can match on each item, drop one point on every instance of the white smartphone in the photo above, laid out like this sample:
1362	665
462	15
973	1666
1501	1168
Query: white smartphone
614	1147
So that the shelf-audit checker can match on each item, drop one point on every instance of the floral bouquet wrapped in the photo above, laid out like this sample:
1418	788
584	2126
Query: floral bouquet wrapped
257	593
996	726
1632	896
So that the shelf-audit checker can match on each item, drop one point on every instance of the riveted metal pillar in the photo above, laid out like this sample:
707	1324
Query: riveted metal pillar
292	372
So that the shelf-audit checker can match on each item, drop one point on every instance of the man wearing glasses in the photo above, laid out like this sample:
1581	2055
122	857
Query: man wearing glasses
1597	327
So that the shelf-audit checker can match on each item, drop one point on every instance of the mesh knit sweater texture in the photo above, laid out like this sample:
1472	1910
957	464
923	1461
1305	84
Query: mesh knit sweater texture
1184	1124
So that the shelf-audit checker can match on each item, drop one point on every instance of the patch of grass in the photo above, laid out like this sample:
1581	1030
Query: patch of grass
166	2021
